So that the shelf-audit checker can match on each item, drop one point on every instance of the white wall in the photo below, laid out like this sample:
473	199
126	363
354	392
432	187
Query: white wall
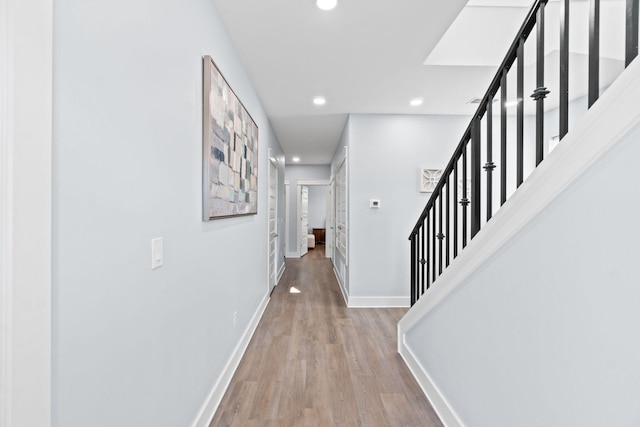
25	212
132	346
386	153
294	173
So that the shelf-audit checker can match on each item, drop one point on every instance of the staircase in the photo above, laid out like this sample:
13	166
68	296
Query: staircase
512	323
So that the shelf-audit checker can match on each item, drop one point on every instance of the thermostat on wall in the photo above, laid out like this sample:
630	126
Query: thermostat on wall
374	203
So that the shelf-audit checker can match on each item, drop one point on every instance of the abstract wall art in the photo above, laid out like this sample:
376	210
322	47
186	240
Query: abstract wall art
230	150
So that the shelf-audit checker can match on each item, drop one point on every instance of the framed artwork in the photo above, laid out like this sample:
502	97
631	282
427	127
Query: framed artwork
428	179
229	150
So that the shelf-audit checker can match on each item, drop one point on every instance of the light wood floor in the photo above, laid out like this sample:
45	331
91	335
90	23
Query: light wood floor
313	362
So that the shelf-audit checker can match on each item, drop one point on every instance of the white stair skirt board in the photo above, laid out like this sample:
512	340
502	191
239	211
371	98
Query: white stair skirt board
208	410
379	302
612	117
437	400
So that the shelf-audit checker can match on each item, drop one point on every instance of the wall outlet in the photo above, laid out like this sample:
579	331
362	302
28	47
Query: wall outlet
374	203
235	319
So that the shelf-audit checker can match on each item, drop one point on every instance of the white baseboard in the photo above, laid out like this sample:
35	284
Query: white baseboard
378	302
292	255
215	396
439	403
280	273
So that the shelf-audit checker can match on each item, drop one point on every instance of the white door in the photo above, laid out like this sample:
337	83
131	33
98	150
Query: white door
273	224
341	231
329	235
304	219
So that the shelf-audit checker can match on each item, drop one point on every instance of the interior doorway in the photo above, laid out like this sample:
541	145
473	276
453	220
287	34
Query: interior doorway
311	215
303	217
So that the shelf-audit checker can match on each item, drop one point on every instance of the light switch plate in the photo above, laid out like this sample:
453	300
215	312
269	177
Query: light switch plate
157	253
374	203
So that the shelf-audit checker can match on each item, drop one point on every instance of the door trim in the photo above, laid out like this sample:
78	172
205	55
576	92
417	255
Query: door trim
273	162
26	111
6	220
306	183
299	217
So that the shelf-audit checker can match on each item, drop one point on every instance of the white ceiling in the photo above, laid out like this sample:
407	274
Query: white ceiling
368	56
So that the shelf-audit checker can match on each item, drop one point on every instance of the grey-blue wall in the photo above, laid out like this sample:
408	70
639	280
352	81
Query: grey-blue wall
132	346
386	153
544	333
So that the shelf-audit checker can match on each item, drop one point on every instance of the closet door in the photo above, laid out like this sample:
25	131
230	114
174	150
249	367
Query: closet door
273	224
341	229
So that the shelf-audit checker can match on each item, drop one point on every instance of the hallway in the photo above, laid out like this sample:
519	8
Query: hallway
313	362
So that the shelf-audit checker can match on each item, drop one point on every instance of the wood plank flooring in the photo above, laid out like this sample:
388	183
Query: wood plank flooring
314	362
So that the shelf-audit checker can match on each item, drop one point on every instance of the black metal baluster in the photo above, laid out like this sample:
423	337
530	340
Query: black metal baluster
503	138
594	51
414	262
631	31
455	209
520	115
564	68
489	166
422	260
428	259
440	233
464	201
476	167
433	248
541	92
447	225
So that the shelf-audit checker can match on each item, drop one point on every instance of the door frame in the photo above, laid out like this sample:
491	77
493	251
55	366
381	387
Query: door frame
300	183
331	218
26	112
273	163
300	233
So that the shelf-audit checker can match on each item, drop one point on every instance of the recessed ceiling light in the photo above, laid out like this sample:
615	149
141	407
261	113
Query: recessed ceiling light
327	4
512	103
295	159
416	101
319	100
